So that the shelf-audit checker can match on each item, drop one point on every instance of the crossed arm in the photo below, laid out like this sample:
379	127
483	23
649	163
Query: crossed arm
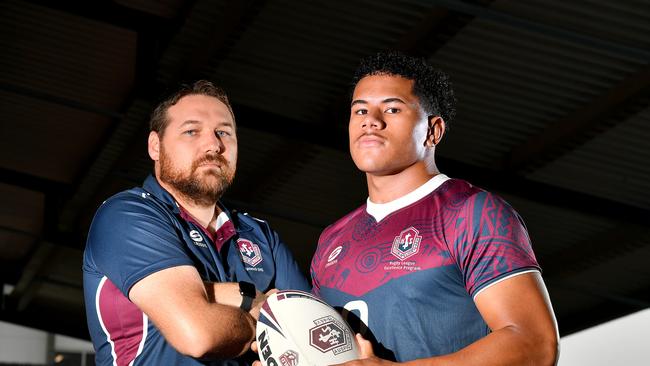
198	319
524	330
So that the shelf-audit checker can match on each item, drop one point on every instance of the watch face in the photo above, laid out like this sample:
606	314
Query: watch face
247	288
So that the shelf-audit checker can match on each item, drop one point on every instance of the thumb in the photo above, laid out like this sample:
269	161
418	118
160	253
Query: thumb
271	292
365	347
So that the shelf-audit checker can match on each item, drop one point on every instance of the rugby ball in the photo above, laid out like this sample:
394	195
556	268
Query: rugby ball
296	328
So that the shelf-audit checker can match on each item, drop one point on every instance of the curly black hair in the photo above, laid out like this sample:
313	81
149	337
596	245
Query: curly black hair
432	86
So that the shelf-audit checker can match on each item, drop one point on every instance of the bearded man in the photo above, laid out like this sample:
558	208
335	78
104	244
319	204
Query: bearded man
171	277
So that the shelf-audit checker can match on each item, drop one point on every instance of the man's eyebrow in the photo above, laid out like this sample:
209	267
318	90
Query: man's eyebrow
190	122
226	124
387	100
390	100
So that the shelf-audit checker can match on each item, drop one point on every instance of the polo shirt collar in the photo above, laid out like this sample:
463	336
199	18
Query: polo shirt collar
152	186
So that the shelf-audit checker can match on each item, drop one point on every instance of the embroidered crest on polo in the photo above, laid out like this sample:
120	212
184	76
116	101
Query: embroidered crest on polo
250	252
406	244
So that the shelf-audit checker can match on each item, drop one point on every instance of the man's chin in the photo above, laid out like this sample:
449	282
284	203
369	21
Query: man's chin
208	170
214	185
208	177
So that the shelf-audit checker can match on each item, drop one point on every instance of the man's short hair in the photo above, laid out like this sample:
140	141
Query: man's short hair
431	85
159	119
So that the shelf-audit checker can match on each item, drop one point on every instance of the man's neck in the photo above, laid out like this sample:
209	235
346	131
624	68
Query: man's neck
205	215
386	188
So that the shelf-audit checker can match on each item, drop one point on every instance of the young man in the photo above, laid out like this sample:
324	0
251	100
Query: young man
438	272
171	277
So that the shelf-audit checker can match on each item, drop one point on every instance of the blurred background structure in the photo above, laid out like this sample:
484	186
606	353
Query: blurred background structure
554	110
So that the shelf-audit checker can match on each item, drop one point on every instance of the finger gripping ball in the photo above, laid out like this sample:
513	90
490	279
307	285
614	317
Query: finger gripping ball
296	328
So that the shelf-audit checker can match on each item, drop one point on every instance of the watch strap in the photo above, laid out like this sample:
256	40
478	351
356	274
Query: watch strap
247	291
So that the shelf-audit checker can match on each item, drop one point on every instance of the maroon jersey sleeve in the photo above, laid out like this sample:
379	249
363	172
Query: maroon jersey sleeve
315	264
323	244
490	241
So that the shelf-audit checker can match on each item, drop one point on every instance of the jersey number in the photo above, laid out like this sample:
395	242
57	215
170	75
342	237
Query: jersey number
360	308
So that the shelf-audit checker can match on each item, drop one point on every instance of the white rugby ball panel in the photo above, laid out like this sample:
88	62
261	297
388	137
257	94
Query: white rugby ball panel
296	328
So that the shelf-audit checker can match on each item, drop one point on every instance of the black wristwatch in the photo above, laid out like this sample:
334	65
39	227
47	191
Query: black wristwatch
248	292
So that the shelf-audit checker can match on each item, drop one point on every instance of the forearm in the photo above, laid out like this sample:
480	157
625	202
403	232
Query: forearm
223	332
506	346
177	302
228	293
211	331
224	293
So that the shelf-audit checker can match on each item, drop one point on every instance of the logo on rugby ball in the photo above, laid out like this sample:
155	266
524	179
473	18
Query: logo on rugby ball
289	358
250	252
330	335
406	244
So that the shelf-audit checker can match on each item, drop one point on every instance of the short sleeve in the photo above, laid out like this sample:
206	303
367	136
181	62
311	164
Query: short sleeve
314	269
490	242
131	238
314	277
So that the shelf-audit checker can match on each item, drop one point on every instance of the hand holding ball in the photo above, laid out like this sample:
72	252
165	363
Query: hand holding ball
296	328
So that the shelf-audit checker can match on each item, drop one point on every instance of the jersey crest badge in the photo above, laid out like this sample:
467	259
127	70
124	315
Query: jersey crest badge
406	244
250	252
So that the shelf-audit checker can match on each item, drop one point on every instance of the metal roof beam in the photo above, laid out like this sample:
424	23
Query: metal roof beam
55	99
589	117
436	22
32	182
215	41
25	288
601	248
278	163
487	13
106	11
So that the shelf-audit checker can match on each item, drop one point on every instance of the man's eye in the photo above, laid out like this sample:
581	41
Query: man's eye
190	132
222	133
392	110
361	111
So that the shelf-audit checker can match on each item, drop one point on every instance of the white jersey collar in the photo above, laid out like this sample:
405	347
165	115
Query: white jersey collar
381	210
221	219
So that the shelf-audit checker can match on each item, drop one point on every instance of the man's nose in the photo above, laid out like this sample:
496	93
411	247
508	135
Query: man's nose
373	120
214	143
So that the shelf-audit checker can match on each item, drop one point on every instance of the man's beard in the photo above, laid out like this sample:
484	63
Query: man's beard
193	185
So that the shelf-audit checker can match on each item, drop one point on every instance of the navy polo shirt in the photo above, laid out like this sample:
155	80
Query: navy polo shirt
141	231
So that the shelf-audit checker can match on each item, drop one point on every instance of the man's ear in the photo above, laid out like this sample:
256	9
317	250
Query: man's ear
154	146
435	131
